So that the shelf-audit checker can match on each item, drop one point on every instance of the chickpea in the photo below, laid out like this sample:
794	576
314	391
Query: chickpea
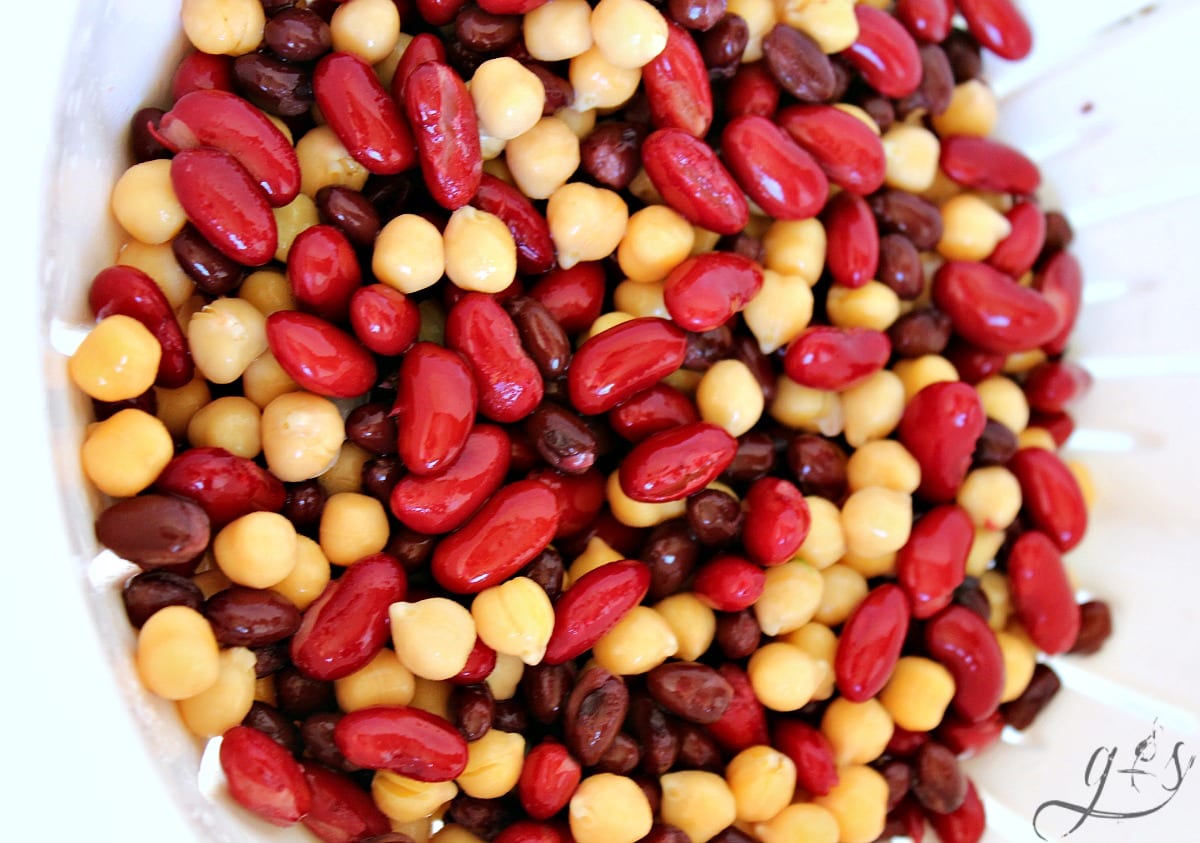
224	27
641	299
558	30
367	28
1036	437
692	621
225	336
804	408
257	550
211	581
781	310
145	204
637	514
796	247
580	122
858	802
1020	658
858	731
226	702
971	228
406	800
177	655
697	802
825	542
873	408
596	554
508	97
125	453
919	372
324	160
911	155
345	475
302	434
493	764
290	220
268	290
598	83
385	68
506	676
820	642
628	33
760	17
586	223
1004	401
762	780
984	547
784	677
1020	362
885	463
455	834
543	158
918	693
729	395
607	808
791	595
873	305
991	496
432	696
515	617
352	526
871	566
800	822
876	520
265	380
433	637
844	589
158	261
231	422
657	240
973	110
117	360
1083	476
409	254
481	254
640	642
831	23
308	576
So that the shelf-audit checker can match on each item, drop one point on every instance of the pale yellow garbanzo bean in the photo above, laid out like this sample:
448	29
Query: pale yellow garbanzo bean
607	808
858	802
118	359
917	694
225	703
885	463
857	112
791	595
697	802
603	322
308	577
796	247
231	422
911	157
873	305
730	396
211	581
628	33
972	111
991	496
1020	362
268	290
543	158
158	261
257	550
493	764
345	475
125	453
858	731
409	254
367	28
971	228
656	240
1004	401
820	642
636	513
290	220
586	223
760	16
876	520
984	547
1036	437
264	691
693	622
580	122
831	23
706	241
432	696
843	590
800	822
265	380
685	380
302	434
324	160
995	589
353	525
481	254
508	97
599	83
455	834
804	408
640	642
871	566
1020	658
177	655
784	677
385	68
873	408
224	27
432	637
558	30
825	542
404	800
762	780
506	676
916	373
515	617
780	312
641	298
596	554
1083	476
225	336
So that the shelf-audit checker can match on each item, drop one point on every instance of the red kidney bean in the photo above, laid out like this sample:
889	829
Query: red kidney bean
966	646
999	26
593	606
753	90
573	296
143	128
147	592
514	526
579	498
481	661
938	782
1021	712
349	211
777	521
225	486
1051	496
277	87
593	714
836	358
723	44
927	20
780	176
442	115
225	204
562	438
964	825
425	46
348	624
898	775
811	752
323	271
744	723
905	743
677	85
528	831
1016	253
442	502
845	148
436	403
1095	627
227	122
986	164
130	292
250	617
548	780
405	740
901	212
933	561
510	7
853	236
965	738
201	72
729	583
507	381
901	269
622	361
213	273
297	35
1041	592
885	54
268	720
342	812
384	320
1060	281
263	777
543	338
439	12
972	363
1051	387
714	517
799	64
362	115
695	692
659	408
535	250
940	427
674	463
870	643
706	290
318	356
691	180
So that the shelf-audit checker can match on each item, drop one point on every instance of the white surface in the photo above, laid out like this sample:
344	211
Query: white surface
1125	170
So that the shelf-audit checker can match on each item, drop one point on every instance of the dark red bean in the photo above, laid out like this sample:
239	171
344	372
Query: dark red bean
1095	627
304	503
316	733
147	592
250	617
906	213
350	211
543	337
300	696
738	633
611	154
1022	711
297	35
920	332
698	750
485	32
965	55
714	517
932	96
693	691
699	15
275	86
799	64
211	271
593	714
143	145
996	446
755	457
562	438
938	782
722	44
154	531
268	720
898	776
545	688
481	817
371	428
548	571
900	266
671	554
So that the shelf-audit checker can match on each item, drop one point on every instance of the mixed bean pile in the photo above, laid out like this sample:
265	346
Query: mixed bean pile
614	422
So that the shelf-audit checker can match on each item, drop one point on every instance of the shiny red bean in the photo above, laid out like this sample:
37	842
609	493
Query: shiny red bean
965	738
580	498
435	403
362	115
201	72
297	34
999	26
777	521
573	296
964	825
481	661
927	20
691	180
442	115
384	320
836	358
318	356
535	249
225	204
940	427
1050	496
799	64
225	486
405	740
528	831
593	606
443	502
870	643
673	464
775	172
987	164
348	624
1060	281
128	291
933	561
1051	387
562	438
323	271
425	46
992	310
885	54
1059	425
342	812
263	777
972	363
510	7
729	583
514	526
966	646
1041	593
250	617
810	750
677	85
850	154
543	337
744	723
852	254
507	381
1016	253
753	90
548	780
622	361
706	290
659	408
